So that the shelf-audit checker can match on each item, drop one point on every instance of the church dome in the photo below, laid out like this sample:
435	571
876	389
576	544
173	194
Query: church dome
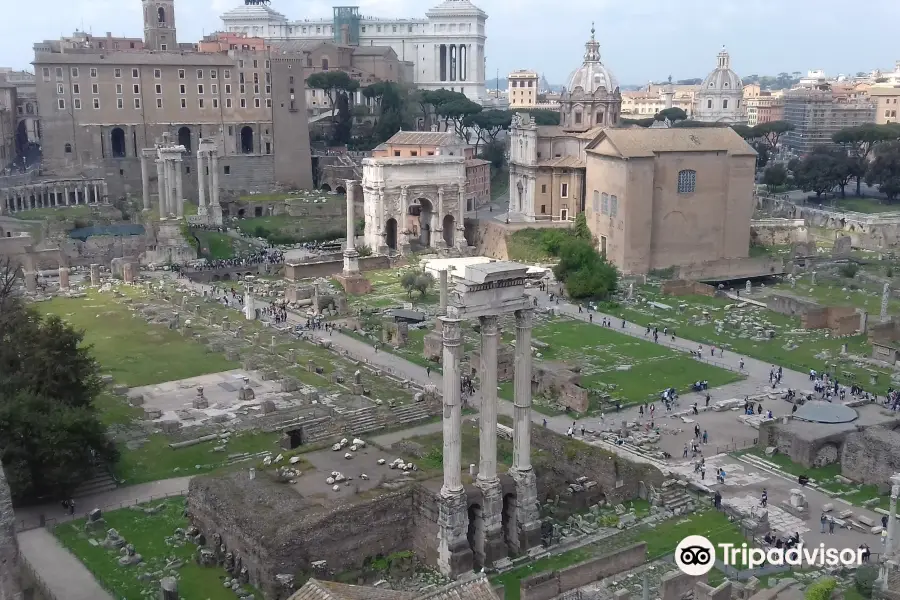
722	78
592	74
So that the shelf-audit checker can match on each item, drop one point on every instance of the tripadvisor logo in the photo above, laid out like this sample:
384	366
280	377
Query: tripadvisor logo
695	556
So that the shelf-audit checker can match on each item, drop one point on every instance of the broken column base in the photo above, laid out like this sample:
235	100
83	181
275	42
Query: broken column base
527	514
354	283
494	546
454	553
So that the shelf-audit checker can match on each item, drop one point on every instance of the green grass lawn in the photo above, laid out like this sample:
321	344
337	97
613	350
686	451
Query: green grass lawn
127	347
218	245
155	460
387	292
287	229
791	348
527	246
148	535
831	293
661	540
599	351
863	205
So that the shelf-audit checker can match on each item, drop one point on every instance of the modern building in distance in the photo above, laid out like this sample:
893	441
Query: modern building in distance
80	40
818	114
720	94
522	89
762	106
447	46
886	99
222	41
8	122
100	108
649	101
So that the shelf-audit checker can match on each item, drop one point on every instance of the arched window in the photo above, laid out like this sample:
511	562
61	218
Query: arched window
596	205
725	103
577	118
599	117
161	14
709	103
68	148
687	181
613	206
604	204
324	64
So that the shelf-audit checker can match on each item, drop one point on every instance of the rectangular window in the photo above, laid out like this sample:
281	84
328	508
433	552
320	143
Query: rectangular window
543	188
200	88
227	88
268	103
59	72
268	89
74	71
159	88
184	103
215	103
596	204
135	74
120	103
159	103
94	73
137	88
687	181
256	78
180	73
256	89
200	103
163	47
241	64
413	153
157	73
564	190
199	73
243	89
268	65
46	73
240	78
243	103
613	206
119	89
77	103
76	89
61	103
95	89
182	88
60	89
604	205
96	103
214	89
213	73
137	103
227	73
227	102
256	102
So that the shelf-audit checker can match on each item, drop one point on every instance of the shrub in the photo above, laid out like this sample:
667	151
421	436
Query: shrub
849	270
864	580
821	589
585	273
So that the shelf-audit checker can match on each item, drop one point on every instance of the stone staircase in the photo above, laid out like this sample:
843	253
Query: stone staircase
364	420
408	414
101	481
674	496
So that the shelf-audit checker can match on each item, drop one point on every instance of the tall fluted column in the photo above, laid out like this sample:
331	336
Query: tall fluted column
67	195
201	181
522	392
145	182
178	166
351	226
214	173
452	408
487	470
161	187
445	292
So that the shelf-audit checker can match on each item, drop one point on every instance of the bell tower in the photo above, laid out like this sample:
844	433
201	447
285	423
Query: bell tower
159	25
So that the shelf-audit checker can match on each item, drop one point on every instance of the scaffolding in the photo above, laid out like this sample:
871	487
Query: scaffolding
346	19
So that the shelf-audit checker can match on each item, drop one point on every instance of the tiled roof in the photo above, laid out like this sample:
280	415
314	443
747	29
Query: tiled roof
563	162
478	588
550	131
641	142
475	589
476	162
425	138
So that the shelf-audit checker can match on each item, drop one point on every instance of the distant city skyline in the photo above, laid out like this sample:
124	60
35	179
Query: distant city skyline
640	42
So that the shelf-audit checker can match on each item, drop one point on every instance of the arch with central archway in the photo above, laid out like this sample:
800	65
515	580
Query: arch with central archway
247	140
117	142
184	138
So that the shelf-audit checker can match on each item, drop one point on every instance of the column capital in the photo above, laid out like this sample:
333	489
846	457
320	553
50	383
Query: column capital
490	325
450	328
351	182
525	318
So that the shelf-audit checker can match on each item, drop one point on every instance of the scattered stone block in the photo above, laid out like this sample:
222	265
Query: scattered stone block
267	407
828	507
151	414
867	521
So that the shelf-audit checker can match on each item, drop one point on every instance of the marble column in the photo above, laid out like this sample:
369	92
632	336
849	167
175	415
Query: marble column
522	392
201	181
161	187
95	274
145	183
487	469
892	519
452	407
67	195
444	291
351	256
178	165
459	236
64	278
214	173
105	195
437	220
86	199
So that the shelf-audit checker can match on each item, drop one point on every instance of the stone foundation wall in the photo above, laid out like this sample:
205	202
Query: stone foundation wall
807	452
681	287
560	384
842	320
545	586
778	232
102	249
675	585
331	267
732	268
871	456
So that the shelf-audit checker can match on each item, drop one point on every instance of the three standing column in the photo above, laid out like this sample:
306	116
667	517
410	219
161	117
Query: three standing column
201	181
178	165
161	187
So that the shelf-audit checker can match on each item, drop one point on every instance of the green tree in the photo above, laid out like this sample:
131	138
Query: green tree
331	82
817	173
545	117
695	124
884	171
585	273
645	122
746	132
774	177
458	114
488	124
416	281
762	154
582	231
821	589
495	153
50	435
671	115
860	141
343	126
772	131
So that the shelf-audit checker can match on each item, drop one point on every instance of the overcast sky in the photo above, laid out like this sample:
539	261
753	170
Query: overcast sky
640	39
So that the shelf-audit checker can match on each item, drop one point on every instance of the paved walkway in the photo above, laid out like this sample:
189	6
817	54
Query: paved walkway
63	574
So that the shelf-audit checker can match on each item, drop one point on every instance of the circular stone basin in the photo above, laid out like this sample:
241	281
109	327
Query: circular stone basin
819	411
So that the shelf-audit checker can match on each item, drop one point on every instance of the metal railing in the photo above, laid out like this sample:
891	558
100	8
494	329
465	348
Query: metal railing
50	522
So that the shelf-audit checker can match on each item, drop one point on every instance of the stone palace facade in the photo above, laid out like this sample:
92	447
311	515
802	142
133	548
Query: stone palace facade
446	47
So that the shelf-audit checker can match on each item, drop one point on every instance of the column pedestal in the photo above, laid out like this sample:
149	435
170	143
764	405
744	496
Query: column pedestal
454	553
30	281
490	545
526	513
63	278
95	274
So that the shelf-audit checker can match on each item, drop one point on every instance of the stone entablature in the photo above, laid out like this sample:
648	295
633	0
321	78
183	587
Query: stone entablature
53	194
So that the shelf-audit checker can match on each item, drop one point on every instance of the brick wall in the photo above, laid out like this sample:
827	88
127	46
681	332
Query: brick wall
682	287
871	456
544	586
332	267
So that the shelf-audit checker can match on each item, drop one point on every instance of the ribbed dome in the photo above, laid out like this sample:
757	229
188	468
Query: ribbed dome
592	74
722	79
